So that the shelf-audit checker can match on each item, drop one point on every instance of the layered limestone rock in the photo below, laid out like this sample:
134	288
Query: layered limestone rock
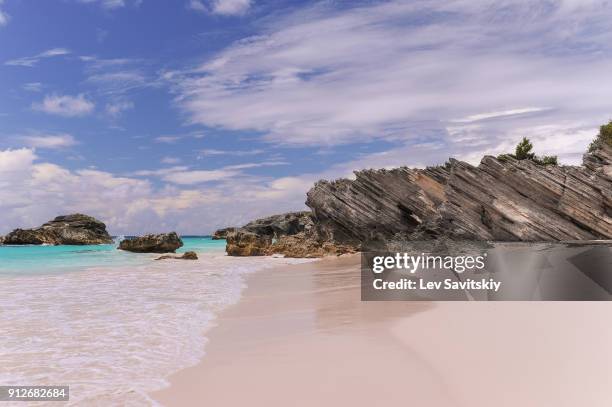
76	229
377	204
500	199
161	243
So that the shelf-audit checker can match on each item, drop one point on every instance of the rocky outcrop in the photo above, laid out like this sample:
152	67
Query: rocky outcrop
291	234
378	204
500	199
258	237
161	243
185	256
222	233
76	229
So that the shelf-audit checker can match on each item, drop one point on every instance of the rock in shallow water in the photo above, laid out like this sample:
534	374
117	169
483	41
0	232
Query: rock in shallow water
161	243
185	256
76	229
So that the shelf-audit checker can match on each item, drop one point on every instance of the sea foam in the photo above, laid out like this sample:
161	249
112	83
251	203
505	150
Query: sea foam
115	334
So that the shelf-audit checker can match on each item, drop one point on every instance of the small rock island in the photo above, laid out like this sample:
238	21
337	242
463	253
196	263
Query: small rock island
160	243
75	229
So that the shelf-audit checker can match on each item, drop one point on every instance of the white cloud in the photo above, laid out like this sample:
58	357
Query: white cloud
16	160
112	4
167	139
501	114
118	82
198	176
33	60
183	175
49	141
401	71
237	153
65	105
32	192
33	86
222	7
4	18
170	160
116	109
196	5
230	7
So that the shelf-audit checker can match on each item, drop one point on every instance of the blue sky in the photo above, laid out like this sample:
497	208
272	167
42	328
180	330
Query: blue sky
193	115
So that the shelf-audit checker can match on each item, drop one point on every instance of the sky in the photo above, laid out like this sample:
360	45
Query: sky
191	115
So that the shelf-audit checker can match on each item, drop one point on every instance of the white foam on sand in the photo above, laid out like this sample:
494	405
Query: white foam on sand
114	334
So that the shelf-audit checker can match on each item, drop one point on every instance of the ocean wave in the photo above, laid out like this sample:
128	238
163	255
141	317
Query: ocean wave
115	334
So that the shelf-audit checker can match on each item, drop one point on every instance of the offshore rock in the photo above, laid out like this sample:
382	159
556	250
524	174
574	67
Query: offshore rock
161	243
76	229
185	256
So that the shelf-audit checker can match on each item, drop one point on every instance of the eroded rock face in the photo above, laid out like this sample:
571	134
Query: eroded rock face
76	229
256	238
504	200
498	200
377	205
161	243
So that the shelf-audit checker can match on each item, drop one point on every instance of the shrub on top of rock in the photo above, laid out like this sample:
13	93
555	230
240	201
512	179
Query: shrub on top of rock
523	151
604	136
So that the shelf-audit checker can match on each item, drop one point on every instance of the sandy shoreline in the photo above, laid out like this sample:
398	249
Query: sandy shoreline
300	336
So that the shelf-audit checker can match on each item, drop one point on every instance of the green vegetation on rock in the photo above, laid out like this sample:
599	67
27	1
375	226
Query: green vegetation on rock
523	151
604	136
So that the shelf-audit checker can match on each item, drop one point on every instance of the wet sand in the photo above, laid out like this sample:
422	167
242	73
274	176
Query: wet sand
300	336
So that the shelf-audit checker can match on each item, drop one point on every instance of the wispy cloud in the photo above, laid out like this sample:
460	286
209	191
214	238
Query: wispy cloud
171	139
33	60
222	7
65	105
230	7
112	4
501	114
167	139
32	86
196	5
170	160
400	70
183	175
237	153
117	108
4	18
57	141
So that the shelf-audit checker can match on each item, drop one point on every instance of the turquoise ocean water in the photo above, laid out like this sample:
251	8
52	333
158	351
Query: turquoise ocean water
57	259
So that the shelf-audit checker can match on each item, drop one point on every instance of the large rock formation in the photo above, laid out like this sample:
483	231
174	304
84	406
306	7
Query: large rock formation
162	243
501	199
76	229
